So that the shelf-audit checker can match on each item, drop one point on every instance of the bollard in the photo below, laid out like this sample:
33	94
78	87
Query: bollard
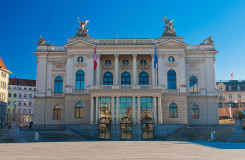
36	137
213	136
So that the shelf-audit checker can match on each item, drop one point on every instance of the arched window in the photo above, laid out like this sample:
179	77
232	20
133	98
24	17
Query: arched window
171	59
125	62
80	79
57	112
171	79
194	111
125	78
143	63
79	110
108	63
108	78
143	79
58	85
173	110
193	84
80	59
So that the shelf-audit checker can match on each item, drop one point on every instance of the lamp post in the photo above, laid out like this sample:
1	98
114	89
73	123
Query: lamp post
236	109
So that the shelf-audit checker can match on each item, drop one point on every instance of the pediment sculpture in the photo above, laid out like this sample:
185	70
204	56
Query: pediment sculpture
169	28
82	31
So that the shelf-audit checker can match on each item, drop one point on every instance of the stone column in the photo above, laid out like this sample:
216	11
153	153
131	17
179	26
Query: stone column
134	111
134	69
92	111
97	110
112	111
154	110
159	110
153	72
139	111
91	71
118	114
116	69
98	70
69	74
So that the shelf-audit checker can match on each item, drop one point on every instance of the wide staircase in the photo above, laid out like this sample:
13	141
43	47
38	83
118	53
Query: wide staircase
199	133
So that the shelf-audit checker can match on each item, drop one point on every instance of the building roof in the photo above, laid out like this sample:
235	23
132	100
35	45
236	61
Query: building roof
22	82
233	85
2	66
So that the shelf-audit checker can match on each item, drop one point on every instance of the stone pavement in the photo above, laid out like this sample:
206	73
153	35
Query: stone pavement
100	150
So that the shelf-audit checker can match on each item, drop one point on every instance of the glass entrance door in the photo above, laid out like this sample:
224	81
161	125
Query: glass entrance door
126	129
104	129
147	129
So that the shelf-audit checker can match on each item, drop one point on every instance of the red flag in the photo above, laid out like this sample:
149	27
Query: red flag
95	59
232	76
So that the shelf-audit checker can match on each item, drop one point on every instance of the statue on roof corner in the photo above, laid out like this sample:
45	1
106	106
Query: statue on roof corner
82	31
169	28
208	41
41	41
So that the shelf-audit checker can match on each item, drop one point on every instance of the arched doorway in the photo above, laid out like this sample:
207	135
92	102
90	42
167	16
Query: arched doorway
147	128
104	129
126	128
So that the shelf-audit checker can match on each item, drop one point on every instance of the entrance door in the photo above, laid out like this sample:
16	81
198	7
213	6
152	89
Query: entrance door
104	129
126	129
147	129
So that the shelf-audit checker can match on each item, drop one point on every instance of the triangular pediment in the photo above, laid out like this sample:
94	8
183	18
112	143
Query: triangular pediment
172	43
79	43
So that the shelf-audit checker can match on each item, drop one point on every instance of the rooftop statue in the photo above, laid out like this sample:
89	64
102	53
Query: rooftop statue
208	41
82	31
169	28
41	41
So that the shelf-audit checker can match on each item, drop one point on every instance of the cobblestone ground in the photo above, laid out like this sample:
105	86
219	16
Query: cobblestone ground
170	150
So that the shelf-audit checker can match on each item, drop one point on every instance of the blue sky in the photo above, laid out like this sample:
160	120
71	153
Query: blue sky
23	21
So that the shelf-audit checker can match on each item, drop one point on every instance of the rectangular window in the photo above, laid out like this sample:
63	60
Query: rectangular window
125	105
19	110
29	110
230	95
9	110
25	103
30	104
13	110
9	102
14	103
30	95
146	106
20	103
9	94
15	95
25	95
24	110
30	88
239	96
19	88
20	95
25	88
105	107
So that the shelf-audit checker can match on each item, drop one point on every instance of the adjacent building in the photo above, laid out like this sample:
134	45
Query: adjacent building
231	97
4	80
21	101
134	93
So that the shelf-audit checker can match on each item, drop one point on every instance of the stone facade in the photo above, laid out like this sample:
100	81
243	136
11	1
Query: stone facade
126	95
4	80
231	97
21	101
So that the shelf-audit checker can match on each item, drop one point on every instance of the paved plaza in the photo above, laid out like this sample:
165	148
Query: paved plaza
122	150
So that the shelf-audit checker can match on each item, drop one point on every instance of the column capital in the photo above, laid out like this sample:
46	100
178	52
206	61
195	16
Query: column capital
134	55
98	55
116	55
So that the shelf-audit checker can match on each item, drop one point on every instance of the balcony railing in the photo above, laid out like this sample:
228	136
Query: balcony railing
172	91
126	87
80	91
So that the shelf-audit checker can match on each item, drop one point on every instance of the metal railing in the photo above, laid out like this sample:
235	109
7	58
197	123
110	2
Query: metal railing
126	87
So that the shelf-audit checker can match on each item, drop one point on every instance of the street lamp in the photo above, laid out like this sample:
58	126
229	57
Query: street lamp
236	109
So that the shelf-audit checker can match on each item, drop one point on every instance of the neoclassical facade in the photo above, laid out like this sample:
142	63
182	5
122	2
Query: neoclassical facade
125	97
